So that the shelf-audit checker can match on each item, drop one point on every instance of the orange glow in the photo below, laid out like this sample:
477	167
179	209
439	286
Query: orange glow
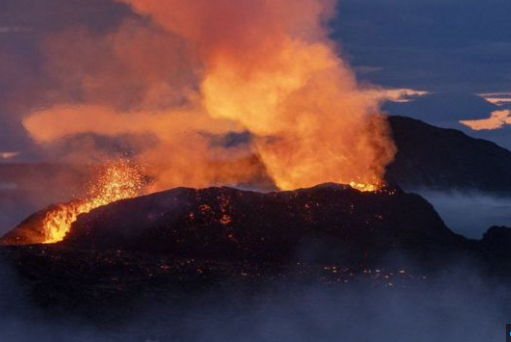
497	98
498	119
8	155
118	181
365	187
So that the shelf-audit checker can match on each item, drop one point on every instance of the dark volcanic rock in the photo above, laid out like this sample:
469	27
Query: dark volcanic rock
327	223
173	246
441	158
107	286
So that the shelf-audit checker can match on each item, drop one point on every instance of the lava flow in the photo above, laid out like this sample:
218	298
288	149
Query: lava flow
119	180
366	187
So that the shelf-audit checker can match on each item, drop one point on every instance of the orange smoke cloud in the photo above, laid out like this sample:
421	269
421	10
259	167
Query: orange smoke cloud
61	121
266	67
498	119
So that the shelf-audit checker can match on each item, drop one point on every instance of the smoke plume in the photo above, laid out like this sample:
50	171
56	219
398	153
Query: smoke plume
186	72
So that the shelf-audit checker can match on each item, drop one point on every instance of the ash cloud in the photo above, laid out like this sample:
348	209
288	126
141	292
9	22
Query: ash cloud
183	72
24	84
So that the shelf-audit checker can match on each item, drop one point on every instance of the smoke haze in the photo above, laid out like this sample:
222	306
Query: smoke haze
459	305
166	84
470	213
184	72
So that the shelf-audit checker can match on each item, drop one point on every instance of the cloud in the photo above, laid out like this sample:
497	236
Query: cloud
397	95
426	47
497	120
444	109
469	213
475	115
501	99
5	155
14	29
24	84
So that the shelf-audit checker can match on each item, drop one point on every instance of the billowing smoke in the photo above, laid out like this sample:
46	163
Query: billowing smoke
189	72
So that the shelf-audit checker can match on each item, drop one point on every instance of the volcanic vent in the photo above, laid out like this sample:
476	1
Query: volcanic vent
116	181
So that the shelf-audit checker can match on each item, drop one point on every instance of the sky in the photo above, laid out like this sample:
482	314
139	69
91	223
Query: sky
457	52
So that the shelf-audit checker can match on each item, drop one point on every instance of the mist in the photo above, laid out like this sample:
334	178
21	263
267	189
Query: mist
470	213
457	304
21	320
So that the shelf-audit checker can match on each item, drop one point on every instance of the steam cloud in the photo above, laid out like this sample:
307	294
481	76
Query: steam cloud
469	213
186	72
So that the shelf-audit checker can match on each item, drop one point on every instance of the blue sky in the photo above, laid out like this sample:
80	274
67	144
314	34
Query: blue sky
453	49
437	45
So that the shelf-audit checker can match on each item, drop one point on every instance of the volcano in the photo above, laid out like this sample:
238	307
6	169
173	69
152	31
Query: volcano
330	222
184	242
450	160
446	159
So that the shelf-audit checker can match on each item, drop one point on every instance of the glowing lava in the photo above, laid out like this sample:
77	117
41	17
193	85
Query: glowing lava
119	180
366	187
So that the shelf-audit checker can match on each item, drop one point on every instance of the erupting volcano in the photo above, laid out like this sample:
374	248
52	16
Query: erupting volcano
164	160
116	181
264	73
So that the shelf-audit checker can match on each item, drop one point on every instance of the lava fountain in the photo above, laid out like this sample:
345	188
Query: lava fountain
117	181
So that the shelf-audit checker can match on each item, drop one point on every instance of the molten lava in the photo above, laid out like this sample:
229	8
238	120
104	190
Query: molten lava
365	187
119	180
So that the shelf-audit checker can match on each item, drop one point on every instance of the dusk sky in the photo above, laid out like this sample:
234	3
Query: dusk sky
255	170
457	51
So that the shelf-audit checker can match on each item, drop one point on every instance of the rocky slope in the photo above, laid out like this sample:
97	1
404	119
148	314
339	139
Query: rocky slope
446	159
328	222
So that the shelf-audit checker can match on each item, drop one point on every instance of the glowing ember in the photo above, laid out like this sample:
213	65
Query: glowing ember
365	187
119	180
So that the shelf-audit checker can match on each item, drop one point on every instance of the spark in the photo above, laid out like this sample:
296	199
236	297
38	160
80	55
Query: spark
119	180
